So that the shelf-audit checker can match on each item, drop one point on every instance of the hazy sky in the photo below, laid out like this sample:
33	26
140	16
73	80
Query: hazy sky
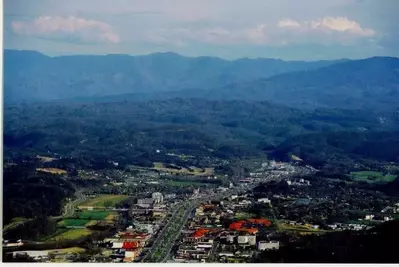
287	29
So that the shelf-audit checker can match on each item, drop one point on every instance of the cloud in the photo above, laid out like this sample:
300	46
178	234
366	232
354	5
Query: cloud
72	28
209	35
327	25
328	30
288	23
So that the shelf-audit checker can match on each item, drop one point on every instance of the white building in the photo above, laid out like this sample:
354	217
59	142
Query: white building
369	217
264	200
242	239
252	240
265	245
157	197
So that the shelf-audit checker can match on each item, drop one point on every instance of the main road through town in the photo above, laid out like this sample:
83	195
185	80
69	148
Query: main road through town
160	251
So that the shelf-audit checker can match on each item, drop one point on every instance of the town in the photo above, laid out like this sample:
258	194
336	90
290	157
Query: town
162	215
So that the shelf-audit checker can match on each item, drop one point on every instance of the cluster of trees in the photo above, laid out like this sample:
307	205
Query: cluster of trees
377	245
30	195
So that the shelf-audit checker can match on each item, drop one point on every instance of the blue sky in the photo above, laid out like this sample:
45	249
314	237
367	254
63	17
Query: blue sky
286	29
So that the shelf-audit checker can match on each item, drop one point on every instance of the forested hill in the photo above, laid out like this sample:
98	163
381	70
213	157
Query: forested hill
30	75
130	130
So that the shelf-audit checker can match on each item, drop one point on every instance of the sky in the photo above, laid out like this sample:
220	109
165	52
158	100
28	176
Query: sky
284	29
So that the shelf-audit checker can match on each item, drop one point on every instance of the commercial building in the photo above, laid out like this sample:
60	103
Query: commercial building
268	245
157	197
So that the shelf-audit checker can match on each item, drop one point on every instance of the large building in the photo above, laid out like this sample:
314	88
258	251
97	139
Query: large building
265	245
157	197
145	201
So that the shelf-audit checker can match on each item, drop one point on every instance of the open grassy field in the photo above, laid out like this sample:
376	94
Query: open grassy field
71	234
296	228
52	170
67	250
111	217
244	215
371	177
92	222
45	159
93	215
73	222
159	166
103	201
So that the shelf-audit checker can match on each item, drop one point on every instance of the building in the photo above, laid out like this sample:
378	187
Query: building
170	196
264	200
369	217
157	197
265	245
145	201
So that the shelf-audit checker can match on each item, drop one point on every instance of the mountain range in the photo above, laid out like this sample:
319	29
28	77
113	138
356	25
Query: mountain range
30	75
371	83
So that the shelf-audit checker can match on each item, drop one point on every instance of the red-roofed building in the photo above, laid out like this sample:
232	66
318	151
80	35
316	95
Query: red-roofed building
264	222
129	245
236	225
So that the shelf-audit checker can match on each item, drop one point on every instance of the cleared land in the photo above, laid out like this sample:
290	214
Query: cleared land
52	170
159	166
297	228
46	159
372	177
104	201
71	234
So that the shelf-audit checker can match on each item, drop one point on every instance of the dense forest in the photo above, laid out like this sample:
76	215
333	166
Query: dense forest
131	131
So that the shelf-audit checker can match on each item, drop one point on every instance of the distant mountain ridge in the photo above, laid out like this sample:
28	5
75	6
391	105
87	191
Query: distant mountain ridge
371	83
30	75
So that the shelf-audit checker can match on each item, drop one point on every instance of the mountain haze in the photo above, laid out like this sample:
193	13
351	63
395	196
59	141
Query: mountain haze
30	75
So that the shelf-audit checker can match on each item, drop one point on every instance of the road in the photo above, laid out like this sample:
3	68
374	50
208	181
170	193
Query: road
160	251
70	206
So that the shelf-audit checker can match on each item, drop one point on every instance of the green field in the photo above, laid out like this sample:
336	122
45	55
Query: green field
92	215
104	201
371	177
73	222
71	234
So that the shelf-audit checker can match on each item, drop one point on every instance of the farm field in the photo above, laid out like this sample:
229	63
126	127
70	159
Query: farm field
73	222
92	215
71	234
52	170
372	177
103	201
